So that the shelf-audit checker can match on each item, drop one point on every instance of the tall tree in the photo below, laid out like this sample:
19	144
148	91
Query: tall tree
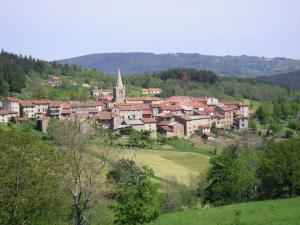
280	170
30	181
82	169
136	196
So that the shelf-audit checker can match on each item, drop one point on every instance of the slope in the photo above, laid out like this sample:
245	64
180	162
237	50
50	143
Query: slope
138	62
279	212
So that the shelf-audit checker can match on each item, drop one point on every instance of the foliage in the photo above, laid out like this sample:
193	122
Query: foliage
74	137
223	179
280	170
30	181
140	139
232	177
136	197
178	196
131	63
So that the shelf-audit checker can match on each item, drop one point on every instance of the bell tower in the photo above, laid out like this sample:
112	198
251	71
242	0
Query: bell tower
119	89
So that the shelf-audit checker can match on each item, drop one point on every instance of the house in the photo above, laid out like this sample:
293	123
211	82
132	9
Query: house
227	113
19	120
130	111
147	114
219	121
171	129
84	85
101	92
85	109
204	129
11	104
41	108
103	119
151	91
4	116
54	109
135	124
177	99
34	108
242	123
192	123
167	108
42	124
54	81
150	125
66	111
210	101
243	108
27	109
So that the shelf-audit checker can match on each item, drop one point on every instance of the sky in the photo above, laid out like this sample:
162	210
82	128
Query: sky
58	29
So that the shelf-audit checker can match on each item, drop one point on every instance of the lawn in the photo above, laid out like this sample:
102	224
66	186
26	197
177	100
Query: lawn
271	212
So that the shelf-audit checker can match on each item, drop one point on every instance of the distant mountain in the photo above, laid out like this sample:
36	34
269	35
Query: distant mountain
289	80
130	63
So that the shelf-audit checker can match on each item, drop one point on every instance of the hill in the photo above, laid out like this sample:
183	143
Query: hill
131	63
289	80
279	212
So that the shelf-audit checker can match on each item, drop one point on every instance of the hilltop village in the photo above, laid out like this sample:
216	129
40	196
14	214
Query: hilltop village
175	116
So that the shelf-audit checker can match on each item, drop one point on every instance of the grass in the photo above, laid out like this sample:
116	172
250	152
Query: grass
183	145
170	164
271	212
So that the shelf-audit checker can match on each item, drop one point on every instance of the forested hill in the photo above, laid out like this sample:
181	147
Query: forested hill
223	65
289	80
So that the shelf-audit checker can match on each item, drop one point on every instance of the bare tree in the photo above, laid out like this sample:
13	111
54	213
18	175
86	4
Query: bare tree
83	167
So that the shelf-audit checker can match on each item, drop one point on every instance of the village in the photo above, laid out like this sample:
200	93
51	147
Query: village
175	116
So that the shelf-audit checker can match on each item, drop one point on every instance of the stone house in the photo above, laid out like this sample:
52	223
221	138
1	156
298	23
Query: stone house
227	112
27	108
151	91
192	123
11	104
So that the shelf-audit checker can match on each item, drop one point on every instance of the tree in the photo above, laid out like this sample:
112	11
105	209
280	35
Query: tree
263	113
31	191
280	170
223	179
136	196
82	169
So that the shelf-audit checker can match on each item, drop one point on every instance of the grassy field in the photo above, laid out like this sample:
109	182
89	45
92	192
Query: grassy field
169	164
272	212
180	159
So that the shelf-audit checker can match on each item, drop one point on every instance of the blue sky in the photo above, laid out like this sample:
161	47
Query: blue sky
56	29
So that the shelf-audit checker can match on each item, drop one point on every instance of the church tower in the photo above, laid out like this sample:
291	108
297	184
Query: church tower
119	89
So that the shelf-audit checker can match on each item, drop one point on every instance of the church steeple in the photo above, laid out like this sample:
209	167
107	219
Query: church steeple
119	79
119	89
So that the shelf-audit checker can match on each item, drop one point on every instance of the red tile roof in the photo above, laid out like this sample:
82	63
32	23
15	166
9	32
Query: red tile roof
149	120
12	99
133	107
4	112
144	98
200	99
167	115
166	107
102	116
147	112
166	128
26	103
41	102
21	119
54	104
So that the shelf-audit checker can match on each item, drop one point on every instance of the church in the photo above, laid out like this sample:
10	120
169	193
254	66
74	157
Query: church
119	89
